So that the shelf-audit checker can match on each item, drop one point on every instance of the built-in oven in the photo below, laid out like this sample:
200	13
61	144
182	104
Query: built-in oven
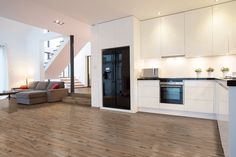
172	91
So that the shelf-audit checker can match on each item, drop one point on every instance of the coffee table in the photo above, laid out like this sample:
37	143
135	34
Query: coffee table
9	93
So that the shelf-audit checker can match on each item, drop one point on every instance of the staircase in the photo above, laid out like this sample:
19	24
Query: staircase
52	48
78	99
77	83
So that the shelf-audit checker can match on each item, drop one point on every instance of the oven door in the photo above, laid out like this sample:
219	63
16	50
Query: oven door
171	94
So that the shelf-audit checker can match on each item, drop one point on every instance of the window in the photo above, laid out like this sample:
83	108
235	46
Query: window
3	69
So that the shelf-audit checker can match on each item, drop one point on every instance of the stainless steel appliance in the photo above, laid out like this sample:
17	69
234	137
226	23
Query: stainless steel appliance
172	91
150	72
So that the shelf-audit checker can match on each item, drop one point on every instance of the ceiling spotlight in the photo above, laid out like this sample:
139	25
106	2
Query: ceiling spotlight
59	22
159	13
216	0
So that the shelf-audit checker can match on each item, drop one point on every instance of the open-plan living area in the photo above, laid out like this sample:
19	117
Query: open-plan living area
99	78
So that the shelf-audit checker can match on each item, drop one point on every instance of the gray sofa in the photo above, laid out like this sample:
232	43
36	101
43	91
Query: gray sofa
41	92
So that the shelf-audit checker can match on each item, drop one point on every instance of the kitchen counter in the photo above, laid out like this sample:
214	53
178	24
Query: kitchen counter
175	78
230	82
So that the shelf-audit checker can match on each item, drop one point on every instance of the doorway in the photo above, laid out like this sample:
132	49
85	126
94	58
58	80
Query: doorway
89	71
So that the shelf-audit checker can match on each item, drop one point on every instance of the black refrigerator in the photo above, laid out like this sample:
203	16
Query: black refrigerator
116	78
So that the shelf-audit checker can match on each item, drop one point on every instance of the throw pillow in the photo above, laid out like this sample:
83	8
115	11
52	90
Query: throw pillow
24	87
55	86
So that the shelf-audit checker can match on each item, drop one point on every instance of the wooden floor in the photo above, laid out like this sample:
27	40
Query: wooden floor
63	130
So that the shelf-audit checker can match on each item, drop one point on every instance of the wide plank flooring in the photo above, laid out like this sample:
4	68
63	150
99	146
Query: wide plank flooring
64	130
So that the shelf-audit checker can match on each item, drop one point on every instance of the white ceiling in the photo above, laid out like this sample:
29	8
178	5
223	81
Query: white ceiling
97	11
31	13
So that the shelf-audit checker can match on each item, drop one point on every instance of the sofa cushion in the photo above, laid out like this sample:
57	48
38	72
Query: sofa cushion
61	84
31	94
32	85
42	85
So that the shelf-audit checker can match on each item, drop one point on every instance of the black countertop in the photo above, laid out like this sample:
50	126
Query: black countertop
175	78
230	82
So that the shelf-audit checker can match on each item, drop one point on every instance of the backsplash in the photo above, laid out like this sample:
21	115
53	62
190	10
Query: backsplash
185	67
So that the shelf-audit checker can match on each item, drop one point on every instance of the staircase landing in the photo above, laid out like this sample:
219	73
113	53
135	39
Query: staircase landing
81	97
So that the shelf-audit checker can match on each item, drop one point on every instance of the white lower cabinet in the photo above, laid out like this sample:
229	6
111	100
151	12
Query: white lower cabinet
199	96
148	94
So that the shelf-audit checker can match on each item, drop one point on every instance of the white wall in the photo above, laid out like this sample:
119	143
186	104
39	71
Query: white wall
81	64
184	67
23	50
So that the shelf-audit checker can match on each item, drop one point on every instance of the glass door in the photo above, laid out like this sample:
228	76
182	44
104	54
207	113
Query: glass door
109	85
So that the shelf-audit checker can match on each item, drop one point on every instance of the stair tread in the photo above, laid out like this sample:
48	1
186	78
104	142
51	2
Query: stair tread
81	95
77	100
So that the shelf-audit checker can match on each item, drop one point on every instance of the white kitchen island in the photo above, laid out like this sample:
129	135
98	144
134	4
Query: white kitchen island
232	121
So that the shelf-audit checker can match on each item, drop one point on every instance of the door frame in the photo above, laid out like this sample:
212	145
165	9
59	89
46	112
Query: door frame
88	61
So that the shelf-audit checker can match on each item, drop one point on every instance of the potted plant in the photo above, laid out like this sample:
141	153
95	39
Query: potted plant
198	72
225	71
210	71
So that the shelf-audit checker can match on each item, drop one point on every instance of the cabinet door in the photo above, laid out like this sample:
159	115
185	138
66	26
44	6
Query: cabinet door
228	12
123	32
172	35
221	29
199	96
148	94
150	39
198	32
107	35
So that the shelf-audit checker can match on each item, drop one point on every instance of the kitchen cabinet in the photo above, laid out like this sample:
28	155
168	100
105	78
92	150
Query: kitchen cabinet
172	35
198	32
123	32
224	29
148	94
220	31
117	33
106	35
150	39
199	96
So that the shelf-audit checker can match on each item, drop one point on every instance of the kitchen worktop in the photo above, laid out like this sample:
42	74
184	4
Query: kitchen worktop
230	82
174	78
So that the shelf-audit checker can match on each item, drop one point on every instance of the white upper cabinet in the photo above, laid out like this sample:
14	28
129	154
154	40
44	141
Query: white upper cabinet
116	33
150	39
198	32
123	32
172	35
224	24
220	31
106	35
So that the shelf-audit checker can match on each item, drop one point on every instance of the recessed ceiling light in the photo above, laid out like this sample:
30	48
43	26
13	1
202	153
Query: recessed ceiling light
59	22
216	0
159	13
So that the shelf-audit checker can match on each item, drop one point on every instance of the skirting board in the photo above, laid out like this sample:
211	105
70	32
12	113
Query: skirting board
117	110
178	113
